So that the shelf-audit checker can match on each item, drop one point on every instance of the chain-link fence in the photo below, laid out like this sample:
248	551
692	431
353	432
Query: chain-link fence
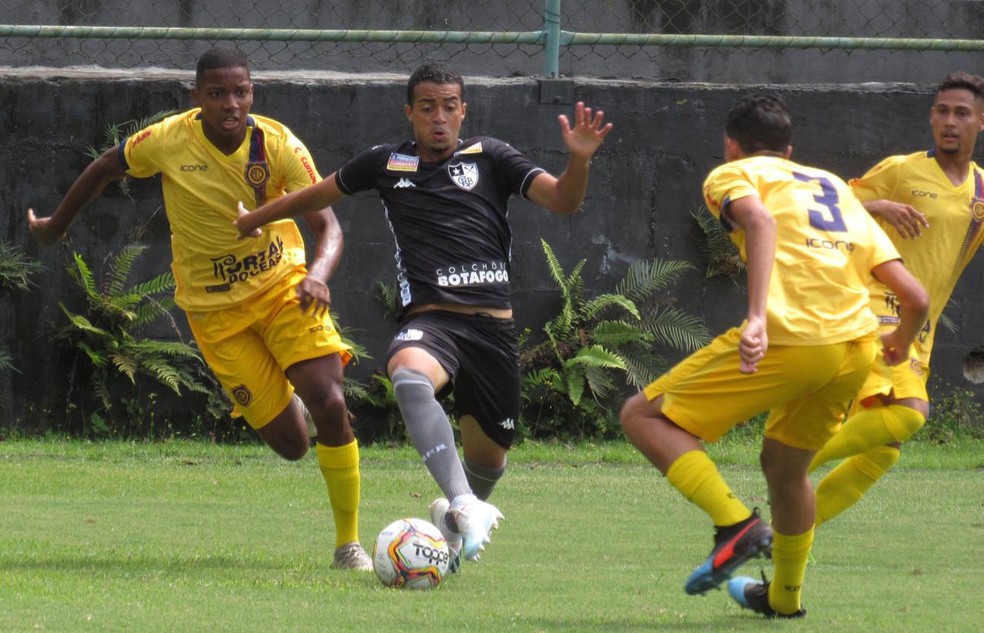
777	40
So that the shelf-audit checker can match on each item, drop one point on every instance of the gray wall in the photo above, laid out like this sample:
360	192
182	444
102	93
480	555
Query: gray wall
644	184
919	19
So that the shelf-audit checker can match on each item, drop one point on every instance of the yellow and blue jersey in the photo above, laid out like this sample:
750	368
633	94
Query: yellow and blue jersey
940	255
826	247
214	269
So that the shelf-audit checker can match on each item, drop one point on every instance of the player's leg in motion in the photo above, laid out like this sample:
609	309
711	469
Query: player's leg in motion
869	443
319	384
792	502
739	533
432	435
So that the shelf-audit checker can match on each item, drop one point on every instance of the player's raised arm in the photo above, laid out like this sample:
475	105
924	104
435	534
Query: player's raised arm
86	188
565	193
302	202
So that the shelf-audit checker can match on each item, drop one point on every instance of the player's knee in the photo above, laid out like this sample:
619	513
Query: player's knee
329	409
411	388
291	449
904	422
634	414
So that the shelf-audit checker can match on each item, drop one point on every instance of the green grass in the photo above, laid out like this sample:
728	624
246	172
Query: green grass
192	537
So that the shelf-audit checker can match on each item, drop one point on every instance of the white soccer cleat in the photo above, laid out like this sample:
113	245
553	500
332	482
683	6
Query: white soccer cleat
352	556
438	509
475	520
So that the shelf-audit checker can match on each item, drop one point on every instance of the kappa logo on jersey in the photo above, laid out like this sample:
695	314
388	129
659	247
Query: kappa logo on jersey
471	149
411	334
402	162
404	183
509	424
465	175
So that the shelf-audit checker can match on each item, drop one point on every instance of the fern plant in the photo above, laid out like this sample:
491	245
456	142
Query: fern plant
109	347
116	132
720	253
594	345
16	271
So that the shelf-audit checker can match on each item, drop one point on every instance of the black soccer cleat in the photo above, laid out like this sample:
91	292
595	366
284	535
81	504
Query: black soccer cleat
754	595
733	545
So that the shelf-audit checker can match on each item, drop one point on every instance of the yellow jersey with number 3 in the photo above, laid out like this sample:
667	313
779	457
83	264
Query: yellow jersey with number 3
938	256
826	247
213	269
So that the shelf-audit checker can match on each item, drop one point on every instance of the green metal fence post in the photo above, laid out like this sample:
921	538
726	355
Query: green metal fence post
551	27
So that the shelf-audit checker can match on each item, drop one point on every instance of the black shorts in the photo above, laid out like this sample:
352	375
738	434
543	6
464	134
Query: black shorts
481	355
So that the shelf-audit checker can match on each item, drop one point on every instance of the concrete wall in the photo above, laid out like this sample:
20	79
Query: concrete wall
939	19
644	184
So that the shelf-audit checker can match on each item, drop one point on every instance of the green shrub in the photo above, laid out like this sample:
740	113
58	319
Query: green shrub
572	381
16	271
115	371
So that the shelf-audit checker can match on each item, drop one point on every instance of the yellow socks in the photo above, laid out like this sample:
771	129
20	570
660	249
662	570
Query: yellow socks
789	556
340	468
845	485
869	428
698	479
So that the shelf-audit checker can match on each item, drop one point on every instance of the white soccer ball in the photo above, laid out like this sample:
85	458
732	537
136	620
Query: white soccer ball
410	553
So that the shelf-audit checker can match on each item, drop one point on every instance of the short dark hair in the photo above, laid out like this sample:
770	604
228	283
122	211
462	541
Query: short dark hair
959	80
760	122
434	73
220	57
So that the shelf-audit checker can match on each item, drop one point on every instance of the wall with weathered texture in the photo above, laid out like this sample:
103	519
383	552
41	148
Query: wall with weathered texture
645	182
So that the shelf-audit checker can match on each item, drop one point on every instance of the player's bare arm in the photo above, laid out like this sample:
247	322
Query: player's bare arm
914	309
85	189
760	245
313	292
297	203
564	194
906	219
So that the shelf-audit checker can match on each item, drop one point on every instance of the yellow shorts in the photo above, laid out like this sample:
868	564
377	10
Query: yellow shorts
806	389
249	346
907	380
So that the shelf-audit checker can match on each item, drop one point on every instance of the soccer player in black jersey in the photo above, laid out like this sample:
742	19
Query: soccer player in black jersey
446	202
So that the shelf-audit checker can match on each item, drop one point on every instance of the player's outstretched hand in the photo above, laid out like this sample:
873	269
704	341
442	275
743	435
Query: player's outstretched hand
43	230
753	345
242	224
587	133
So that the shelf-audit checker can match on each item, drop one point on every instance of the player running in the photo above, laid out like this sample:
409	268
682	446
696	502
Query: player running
259	316
446	202
931	204
802	353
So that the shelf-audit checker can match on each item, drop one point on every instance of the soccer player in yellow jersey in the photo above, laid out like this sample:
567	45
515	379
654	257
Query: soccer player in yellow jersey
259	315
804	350
931	204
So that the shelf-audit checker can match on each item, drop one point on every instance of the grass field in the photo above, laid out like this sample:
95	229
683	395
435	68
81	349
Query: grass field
193	537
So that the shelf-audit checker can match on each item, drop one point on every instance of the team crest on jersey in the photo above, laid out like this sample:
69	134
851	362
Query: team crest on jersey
475	148
242	395
465	175
977	210
402	162
257	174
